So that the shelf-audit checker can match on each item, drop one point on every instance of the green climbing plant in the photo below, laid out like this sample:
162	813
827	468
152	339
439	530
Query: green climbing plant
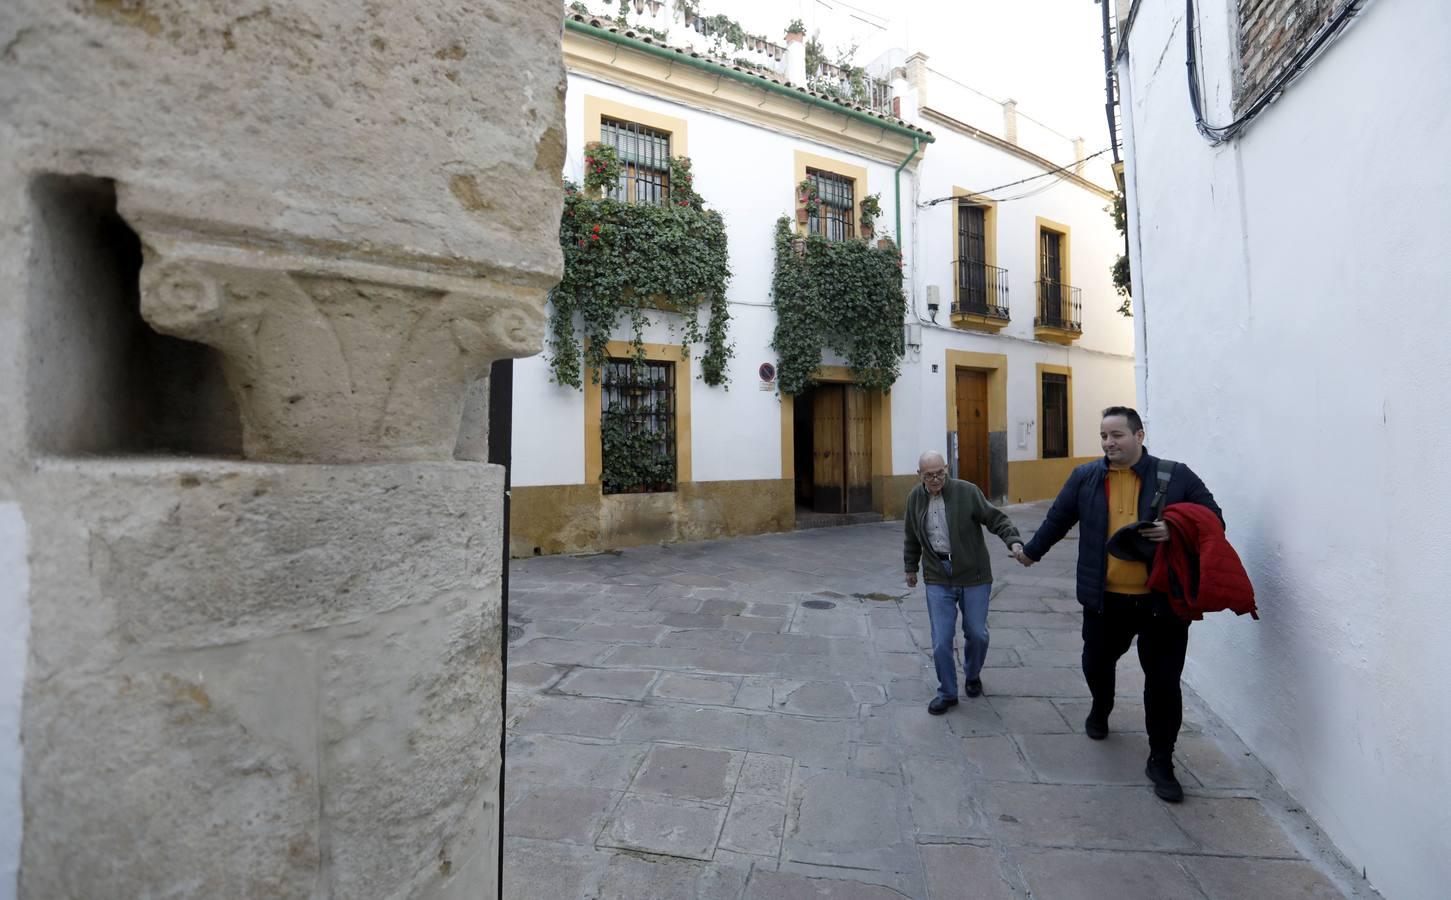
631	458
1123	279
871	210
622	260
602	168
845	296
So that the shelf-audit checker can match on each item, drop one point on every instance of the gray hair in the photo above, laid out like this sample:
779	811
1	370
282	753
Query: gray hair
928	457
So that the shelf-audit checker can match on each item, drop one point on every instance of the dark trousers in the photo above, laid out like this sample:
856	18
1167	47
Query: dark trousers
1163	639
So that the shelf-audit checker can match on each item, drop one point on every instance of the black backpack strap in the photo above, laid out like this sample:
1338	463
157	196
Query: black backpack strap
1161	493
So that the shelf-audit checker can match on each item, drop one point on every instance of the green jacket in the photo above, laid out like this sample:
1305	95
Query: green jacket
968	512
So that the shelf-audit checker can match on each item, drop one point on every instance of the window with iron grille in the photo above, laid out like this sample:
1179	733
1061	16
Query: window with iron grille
981	289
644	161
836	218
1050	244
637	426
1054	416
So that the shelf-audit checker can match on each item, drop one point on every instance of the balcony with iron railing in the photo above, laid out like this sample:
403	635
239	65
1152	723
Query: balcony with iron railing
1060	312
981	303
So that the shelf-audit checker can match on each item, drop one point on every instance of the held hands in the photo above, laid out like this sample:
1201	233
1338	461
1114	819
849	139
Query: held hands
1020	556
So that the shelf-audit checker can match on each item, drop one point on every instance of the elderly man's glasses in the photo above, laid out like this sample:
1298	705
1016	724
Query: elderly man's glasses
939	475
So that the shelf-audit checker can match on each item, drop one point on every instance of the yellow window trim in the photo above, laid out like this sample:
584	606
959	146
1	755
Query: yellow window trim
1066	245
990	250
881	407
1044	333
594	451
1049	369
596	108
857	174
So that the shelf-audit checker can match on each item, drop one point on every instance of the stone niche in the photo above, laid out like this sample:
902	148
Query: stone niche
262	256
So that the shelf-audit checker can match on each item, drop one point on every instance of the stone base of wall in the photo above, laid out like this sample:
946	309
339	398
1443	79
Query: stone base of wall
1040	479
576	518
893	491
253	680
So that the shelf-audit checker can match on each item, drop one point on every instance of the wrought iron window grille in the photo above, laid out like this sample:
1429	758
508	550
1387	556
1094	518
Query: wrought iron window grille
835	219
644	155
637	413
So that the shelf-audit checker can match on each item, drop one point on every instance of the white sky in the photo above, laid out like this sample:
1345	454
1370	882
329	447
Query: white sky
1046	54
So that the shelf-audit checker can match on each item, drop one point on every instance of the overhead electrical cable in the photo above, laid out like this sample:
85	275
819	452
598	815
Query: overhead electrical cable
1218	134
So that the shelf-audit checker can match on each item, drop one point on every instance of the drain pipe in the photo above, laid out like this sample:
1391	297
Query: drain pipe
897	187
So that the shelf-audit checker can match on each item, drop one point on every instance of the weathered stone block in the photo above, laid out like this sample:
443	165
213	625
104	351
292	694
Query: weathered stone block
289	685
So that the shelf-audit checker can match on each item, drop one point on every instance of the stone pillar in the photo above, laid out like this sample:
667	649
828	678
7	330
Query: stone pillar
263	258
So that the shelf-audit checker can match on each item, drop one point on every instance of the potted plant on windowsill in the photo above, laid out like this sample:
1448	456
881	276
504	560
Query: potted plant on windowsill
808	201
602	168
795	32
871	209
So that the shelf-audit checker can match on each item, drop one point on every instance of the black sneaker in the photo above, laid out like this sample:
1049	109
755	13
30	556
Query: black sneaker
974	688
939	705
1096	726
1160	770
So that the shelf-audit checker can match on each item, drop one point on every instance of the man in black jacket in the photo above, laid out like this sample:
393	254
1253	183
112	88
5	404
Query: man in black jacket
1102	497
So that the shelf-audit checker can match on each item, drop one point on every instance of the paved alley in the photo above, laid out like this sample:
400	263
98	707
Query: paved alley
747	719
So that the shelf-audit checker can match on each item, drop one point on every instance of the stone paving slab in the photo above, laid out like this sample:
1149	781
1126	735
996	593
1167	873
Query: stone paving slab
680	725
1085	875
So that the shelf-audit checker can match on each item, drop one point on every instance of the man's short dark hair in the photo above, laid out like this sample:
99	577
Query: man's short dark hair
1136	424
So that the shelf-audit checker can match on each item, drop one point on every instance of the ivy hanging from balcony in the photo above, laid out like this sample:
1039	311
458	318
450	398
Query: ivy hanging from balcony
622	260
840	295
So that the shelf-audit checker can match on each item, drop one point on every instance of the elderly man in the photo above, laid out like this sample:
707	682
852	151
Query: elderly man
945	517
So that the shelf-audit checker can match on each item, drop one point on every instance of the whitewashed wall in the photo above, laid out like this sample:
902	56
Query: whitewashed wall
1294	349
748	174
1101	360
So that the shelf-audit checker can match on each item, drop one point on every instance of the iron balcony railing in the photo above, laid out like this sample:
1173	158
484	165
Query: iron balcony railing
982	290
1059	306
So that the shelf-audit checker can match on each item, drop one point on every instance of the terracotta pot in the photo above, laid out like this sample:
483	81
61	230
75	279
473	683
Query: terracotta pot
802	215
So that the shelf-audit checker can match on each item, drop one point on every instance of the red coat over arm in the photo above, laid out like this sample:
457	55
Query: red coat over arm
1198	569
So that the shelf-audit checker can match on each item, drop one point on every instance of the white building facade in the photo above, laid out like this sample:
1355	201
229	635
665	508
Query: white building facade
743	463
1290	302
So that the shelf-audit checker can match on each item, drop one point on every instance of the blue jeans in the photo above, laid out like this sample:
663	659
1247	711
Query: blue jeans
943	603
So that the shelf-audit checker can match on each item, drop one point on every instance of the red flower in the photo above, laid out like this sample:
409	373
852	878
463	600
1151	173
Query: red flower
593	237
581	242
597	229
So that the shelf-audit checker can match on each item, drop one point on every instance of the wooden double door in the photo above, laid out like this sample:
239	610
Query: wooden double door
841	449
973	457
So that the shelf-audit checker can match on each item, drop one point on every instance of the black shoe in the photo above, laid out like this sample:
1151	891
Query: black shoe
974	687
1096	726
939	705
1160	770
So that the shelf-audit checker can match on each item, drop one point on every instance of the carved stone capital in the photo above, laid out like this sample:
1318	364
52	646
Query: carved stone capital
333	359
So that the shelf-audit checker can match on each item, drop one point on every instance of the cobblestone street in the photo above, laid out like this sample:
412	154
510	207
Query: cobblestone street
746	719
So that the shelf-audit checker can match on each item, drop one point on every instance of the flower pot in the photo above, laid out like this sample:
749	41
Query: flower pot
883	244
802	215
868	231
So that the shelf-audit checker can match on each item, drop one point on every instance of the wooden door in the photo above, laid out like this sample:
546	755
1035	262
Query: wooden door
828	448
972	440
858	450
